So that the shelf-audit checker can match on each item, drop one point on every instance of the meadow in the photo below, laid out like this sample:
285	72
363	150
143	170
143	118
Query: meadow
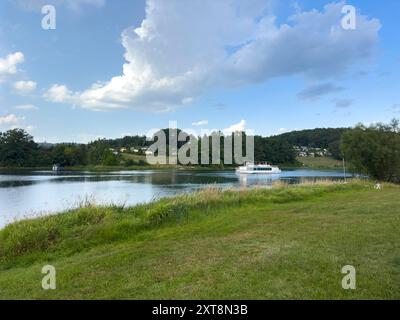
289	242
319	163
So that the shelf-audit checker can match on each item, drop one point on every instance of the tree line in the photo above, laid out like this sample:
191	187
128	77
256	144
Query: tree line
327	138
373	150
18	149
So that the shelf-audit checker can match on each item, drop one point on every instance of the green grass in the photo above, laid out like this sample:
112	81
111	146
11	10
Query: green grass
284	243
320	162
134	157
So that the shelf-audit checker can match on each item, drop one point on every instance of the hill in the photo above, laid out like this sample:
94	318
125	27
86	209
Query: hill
328	138
18	149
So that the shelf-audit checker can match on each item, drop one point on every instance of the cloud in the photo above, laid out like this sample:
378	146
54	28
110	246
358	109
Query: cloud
35	5
238	127
24	87
26	107
200	123
59	93
10	119
342	103
29	128
8	65
182	49
316	91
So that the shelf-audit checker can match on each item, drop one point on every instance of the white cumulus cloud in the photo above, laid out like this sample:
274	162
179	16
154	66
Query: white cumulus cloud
59	93
9	64
282	130
238	127
184	48
10	119
200	123
24	87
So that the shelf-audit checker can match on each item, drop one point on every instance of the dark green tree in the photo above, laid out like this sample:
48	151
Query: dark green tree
99	153
374	150
69	155
17	149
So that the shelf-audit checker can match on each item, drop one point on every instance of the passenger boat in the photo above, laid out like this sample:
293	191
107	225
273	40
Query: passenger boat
56	168
262	168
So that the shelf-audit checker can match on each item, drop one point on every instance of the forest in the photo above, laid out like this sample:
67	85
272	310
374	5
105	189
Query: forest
373	150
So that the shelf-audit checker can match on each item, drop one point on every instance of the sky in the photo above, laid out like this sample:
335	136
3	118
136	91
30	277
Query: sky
112	68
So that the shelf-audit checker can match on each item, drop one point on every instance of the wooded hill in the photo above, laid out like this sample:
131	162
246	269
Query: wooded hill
17	148
328	138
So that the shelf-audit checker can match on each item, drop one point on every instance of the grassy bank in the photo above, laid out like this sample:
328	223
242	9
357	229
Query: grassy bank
288	242
319	163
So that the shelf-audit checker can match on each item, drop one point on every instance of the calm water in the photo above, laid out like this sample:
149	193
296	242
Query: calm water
28	194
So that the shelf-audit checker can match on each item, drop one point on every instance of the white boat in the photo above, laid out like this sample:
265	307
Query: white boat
262	168
56	168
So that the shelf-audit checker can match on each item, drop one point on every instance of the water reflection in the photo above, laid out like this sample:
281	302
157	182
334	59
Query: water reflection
28	194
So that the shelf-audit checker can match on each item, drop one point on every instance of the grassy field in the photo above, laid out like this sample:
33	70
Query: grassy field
134	157
284	243
320	162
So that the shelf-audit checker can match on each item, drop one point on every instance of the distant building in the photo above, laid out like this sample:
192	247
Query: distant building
304	151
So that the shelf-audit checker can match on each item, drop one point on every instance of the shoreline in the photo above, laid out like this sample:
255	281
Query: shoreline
253	232
284	166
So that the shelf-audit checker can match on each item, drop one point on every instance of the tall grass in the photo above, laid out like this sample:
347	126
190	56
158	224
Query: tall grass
76	230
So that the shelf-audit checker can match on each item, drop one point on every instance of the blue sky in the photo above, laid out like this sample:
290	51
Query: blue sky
112	68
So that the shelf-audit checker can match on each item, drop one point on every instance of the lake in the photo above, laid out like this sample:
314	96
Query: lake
26	194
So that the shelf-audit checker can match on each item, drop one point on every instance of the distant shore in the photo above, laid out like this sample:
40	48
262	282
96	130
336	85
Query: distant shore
302	163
